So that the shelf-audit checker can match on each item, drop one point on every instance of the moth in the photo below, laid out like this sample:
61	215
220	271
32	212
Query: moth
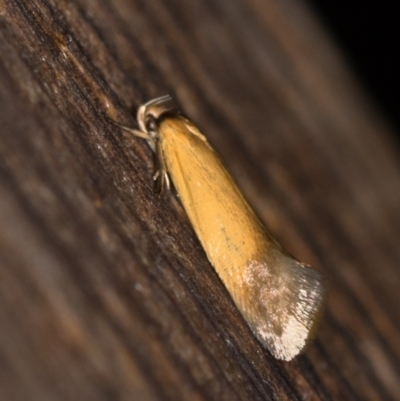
280	298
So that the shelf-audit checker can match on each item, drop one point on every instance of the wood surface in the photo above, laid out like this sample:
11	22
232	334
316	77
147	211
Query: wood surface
105	292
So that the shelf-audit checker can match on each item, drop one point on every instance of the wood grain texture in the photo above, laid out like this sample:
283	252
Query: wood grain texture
105	292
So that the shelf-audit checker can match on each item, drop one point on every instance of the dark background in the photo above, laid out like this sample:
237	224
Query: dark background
368	33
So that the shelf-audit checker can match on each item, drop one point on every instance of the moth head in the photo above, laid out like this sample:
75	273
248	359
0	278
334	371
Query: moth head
149	113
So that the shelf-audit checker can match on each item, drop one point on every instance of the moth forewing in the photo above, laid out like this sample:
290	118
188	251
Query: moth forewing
278	296
289	297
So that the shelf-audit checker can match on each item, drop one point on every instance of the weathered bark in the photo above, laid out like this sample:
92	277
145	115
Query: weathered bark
105	292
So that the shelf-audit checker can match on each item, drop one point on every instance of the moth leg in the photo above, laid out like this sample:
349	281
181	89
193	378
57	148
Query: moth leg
161	176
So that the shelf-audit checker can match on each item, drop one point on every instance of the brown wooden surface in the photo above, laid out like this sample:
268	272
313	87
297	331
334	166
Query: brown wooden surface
105	292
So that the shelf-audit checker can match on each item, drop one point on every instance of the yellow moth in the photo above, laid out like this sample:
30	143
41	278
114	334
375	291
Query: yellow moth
280	298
